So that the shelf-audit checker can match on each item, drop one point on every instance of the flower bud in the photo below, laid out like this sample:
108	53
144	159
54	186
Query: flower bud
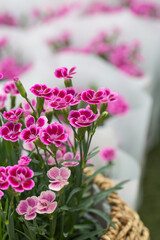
21	88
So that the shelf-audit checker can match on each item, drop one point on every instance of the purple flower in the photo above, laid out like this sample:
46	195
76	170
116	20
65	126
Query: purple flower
46	203
108	154
31	133
10	88
24	161
13	115
10	131
103	95
60	177
82	118
19	178
41	91
64	73
53	133
4	184
65	98
3	98
28	207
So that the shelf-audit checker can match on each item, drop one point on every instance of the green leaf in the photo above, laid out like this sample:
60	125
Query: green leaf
11	228
100	170
90	235
5	235
92	155
72	193
39	105
98	197
83	226
37	174
100	214
22	233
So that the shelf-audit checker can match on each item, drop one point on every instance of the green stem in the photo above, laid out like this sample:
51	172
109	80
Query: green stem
36	116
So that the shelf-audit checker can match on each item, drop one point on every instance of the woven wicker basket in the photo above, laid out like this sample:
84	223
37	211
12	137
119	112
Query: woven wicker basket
128	223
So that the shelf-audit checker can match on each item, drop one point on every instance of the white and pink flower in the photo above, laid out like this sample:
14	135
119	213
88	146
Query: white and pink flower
59	176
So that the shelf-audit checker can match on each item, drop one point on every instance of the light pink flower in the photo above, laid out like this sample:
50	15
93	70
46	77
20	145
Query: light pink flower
19	178
13	115
65	98
46	203
68	156
41	91
119	107
4	184
10	88
28	146
60	177
53	133
82	118
64	73
103	95
28	207
10	131
3	98
1	194
26	107
108	154
24	161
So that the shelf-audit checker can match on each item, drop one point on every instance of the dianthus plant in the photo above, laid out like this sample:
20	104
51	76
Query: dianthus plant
45	147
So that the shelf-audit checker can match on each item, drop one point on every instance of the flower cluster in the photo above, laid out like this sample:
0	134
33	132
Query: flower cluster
44	160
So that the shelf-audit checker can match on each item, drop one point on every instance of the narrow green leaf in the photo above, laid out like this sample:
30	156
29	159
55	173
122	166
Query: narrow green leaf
22	233
92	155
100	214
90	235
98	197
72	193
100	170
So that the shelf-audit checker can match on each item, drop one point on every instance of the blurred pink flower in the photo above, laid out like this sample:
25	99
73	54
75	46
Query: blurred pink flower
108	154
53	133
3	42
13	115
19	178
26	107
1	194
10	88
3	98
82	118
10	131
8	19
28	208
46	203
60	177
24	161
68	156
63	72
10	68
119	107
